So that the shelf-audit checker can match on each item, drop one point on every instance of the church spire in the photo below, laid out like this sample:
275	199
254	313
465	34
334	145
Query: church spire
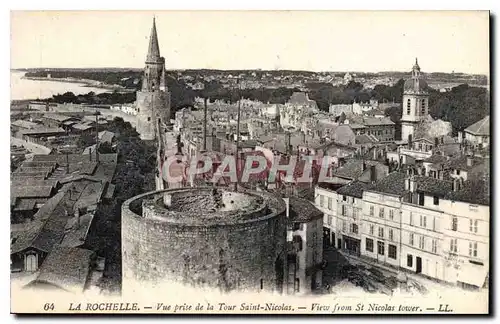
154	49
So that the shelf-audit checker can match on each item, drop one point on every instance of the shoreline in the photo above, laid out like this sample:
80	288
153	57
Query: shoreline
84	82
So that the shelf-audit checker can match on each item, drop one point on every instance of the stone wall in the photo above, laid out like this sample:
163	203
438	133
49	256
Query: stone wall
240	255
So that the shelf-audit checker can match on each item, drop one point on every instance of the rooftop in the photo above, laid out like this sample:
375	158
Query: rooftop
481	127
302	210
66	268
353	189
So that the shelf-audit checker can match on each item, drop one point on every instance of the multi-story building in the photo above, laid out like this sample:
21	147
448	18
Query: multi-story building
381	219
429	226
305	255
352	177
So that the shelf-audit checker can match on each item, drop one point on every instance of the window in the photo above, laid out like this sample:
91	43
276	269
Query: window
354	228
392	251
409	260
423	107
380	248
372	211
149	118
411	218
473	225
436	200
421	199
381	212
453	246
371	229
344	198
408	106
354	213
454	223
328	219
369	245
297	285
343	210
412	239
458	172
343	226
434	246
297	242
425	221
381	232
321	200
473	249
421	242
261	284
391	214
330	203
421	220
391	234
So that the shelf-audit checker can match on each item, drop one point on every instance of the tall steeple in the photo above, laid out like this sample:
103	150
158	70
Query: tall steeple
154	48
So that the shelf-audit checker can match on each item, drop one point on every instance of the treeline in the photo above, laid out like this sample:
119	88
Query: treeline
134	175
105	98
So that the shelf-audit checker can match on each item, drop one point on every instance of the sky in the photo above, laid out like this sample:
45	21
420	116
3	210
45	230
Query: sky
443	41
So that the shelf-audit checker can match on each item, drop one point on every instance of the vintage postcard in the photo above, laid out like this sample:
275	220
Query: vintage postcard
250	162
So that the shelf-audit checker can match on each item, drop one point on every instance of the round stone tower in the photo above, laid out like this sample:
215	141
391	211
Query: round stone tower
204	237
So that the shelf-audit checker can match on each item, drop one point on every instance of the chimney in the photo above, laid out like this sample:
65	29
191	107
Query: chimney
287	203
77	214
469	161
288	142
373	173
456	185
412	184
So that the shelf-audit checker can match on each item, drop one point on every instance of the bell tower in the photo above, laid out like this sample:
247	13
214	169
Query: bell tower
415	102
153	100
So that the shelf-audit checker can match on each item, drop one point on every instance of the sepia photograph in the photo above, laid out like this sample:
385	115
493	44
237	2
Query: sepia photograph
250	162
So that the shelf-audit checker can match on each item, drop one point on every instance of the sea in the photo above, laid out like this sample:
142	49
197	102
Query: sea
23	89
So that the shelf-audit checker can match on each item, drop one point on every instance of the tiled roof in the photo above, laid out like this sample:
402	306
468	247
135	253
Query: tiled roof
476	191
460	162
76	231
302	210
43	131
67	268
436	159
393	184
353	189
31	191
481	127
353	168
435	187
25	124
57	117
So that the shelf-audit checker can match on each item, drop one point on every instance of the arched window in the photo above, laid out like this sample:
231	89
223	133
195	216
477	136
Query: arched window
408	106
